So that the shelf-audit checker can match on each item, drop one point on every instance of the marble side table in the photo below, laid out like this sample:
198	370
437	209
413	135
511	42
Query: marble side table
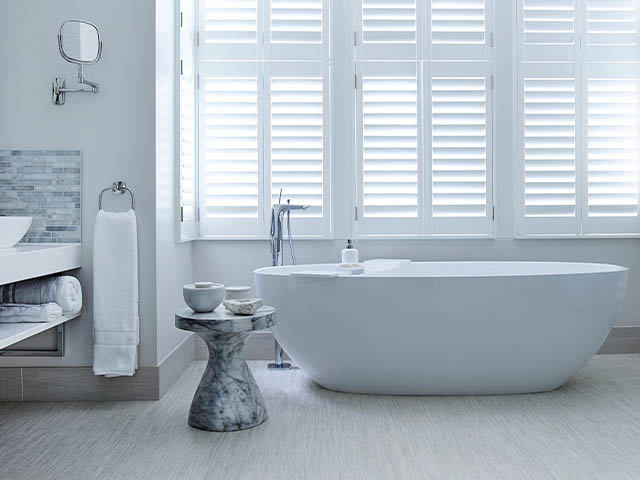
228	398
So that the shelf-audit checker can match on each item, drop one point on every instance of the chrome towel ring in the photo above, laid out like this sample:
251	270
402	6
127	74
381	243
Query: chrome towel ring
118	188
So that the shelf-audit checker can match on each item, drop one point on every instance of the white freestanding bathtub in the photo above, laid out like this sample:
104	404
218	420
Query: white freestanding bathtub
443	328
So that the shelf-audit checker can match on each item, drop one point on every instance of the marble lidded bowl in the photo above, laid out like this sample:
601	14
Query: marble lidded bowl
203	297
237	292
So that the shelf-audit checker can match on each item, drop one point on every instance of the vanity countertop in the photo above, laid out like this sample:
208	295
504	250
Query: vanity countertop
31	260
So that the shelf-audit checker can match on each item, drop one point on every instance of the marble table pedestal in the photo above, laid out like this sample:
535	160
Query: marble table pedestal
228	398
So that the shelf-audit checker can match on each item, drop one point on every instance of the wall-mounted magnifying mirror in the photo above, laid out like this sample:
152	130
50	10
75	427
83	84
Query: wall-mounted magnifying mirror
79	43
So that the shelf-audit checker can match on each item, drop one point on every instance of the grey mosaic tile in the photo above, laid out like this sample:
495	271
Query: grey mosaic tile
45	184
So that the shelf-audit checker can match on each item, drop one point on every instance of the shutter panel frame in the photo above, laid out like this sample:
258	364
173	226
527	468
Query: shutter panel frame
546	103
611	90
308	84
460	175
391	76
231	83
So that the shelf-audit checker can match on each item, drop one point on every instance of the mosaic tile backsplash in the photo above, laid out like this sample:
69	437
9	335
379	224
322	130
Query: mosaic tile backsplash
47	185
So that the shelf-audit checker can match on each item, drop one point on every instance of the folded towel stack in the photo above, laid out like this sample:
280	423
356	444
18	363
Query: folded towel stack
63	290
40	300
21	313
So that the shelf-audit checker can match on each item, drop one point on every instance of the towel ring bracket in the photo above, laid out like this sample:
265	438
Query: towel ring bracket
117	188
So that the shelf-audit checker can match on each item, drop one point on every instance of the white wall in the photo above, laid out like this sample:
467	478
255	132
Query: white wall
116	131
173	261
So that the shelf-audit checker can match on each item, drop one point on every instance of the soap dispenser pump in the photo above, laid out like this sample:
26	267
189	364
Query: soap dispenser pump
350	254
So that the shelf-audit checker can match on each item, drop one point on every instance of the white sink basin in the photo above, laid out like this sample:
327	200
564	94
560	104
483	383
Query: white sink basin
12	229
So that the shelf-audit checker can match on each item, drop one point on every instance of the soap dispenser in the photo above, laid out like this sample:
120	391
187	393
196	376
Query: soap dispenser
349	255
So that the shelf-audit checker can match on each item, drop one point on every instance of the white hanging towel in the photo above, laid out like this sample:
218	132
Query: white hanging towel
115	294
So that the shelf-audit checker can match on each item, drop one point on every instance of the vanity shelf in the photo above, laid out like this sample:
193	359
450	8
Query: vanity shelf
33	260
12	333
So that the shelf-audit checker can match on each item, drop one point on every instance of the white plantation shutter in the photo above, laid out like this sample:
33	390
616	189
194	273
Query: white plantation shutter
547	29
579	103
613	146
613	150
298	142
458	30
264	114
387	29
458	23
460	148
229	29
424	118
297	30
187	122
612	30
548	126
296	22
230	151
388	166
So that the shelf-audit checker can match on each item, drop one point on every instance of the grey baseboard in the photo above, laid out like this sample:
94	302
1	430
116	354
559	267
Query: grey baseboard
63	384
174	364
259	346
622	340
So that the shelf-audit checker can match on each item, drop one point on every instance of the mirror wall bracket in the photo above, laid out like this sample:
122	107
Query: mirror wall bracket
60	90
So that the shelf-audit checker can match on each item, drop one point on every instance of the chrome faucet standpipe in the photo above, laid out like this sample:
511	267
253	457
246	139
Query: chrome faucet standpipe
278	211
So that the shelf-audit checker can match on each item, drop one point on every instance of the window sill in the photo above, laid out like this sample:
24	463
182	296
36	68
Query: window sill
344	238
592	236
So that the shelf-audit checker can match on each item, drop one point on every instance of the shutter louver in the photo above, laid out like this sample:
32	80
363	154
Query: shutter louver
296	21
388	30
459	147
612	30
230	117
549	29
297	142
457	23
229	29
549	22
390	147
549	147
612	22
388	21
231	21
613	147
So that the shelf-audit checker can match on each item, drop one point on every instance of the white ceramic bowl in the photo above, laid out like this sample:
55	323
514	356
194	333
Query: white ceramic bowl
203	297
12	229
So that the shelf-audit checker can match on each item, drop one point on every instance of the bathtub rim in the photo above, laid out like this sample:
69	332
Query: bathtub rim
594	268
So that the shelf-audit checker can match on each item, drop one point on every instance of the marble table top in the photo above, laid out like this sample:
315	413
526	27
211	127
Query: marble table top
223	321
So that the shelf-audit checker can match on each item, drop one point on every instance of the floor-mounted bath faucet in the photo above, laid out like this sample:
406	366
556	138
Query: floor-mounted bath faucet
278	211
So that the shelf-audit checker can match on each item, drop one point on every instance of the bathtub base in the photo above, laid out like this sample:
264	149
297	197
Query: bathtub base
440	393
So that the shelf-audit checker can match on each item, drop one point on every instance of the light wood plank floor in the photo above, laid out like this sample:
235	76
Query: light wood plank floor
589	429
